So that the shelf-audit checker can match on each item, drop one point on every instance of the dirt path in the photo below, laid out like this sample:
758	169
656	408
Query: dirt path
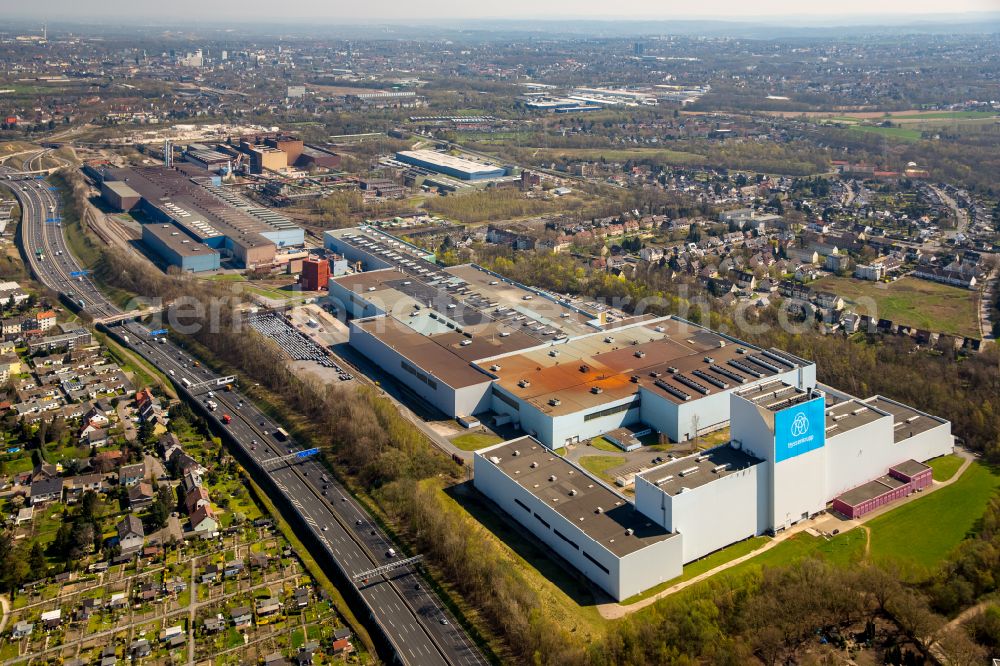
5	605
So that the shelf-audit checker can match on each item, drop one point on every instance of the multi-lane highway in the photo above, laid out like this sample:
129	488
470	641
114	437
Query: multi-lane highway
411	618
45	246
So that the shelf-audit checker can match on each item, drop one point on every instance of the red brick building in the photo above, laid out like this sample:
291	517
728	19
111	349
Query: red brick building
315	274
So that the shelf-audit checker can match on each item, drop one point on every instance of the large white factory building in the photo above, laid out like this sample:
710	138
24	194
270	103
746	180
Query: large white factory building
792	453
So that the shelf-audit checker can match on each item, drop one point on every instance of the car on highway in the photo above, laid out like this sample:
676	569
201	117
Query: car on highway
227	419
391	552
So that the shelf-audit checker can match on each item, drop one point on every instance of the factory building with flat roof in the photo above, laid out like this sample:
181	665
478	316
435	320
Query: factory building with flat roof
450	165
471	342
177	248
223	220
793	454
589	525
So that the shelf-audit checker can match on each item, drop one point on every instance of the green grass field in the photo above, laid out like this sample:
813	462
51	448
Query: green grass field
910	301
706	563
473	441
599	465
945	467
602	444
924	531
901	133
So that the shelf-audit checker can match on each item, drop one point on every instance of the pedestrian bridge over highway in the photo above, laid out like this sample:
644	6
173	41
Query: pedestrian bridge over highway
118	318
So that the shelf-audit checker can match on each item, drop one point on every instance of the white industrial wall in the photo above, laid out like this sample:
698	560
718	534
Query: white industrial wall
797	485
937	441
473	399
711	516
639	571
573	426
650	566
859	455
356	306
713	411
443	397
798	488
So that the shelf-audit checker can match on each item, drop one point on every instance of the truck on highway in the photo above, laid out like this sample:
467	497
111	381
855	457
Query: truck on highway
212	405
186	382
281	434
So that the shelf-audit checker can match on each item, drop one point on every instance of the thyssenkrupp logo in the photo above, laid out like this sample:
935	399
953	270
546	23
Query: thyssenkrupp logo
800	425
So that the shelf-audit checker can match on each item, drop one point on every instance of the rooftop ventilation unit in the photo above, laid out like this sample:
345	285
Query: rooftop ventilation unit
584	368
709	359
629	532
572	493
700	458
552	477
660	482
555	402
596	390
516	453
688	472
720	468
553	353
524	383
659	329
634	379
609	339
494	367
640	354
599	510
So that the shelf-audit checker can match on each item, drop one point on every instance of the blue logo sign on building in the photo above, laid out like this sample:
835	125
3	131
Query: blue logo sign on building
799	429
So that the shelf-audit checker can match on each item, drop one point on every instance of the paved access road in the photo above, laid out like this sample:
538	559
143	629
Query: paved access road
416	622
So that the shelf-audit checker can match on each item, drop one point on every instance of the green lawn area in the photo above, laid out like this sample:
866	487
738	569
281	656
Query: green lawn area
706	563
599	465
923	531
909	301
602	444
473	441
901	133
940	115
945	467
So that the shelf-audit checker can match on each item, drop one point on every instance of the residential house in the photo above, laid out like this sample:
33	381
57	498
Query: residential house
196	498
829	300
232	568
129	475
140	495
131	535
241	616
46	490
76	486
22	630
203	520
210	573
52	619
213	625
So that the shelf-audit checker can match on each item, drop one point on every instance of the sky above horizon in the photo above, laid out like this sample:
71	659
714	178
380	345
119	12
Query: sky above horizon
397	10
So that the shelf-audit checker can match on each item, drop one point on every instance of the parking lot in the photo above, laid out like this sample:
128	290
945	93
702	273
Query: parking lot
295	343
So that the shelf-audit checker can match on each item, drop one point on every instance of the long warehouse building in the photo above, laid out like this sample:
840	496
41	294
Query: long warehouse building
450	165
210	214
471	342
